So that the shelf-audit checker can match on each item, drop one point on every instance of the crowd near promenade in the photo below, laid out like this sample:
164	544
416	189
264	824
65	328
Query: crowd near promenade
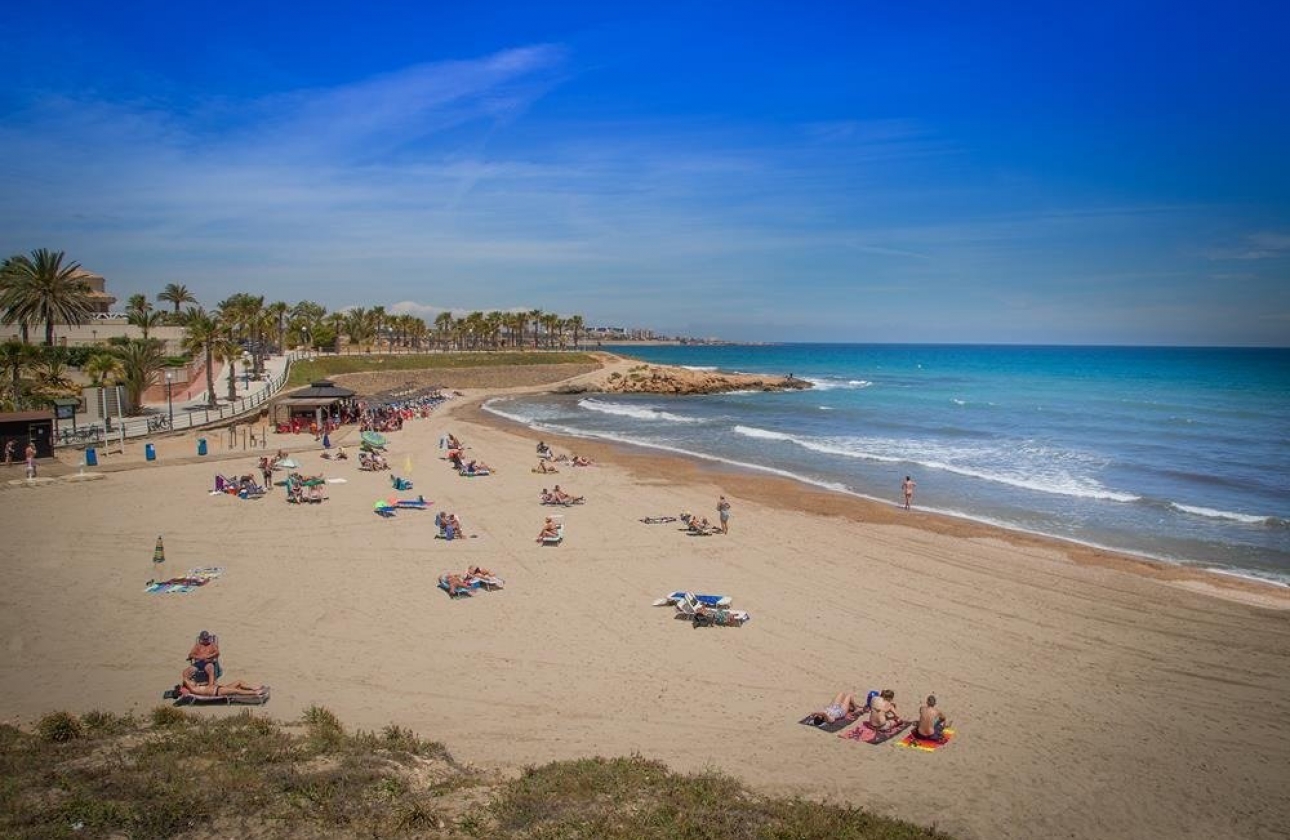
1090	696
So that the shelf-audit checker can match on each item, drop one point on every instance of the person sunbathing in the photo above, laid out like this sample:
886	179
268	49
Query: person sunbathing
479	572
457	585
563	498
550	530
579	461
843	707
476	468
883	714
214	689
544	467
931	721
701	525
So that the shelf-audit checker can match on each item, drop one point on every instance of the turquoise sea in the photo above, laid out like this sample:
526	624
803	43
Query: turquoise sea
1181	454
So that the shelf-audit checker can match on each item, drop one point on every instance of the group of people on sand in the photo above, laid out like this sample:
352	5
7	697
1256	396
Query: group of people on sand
449	526
557	496
883	716
547	458
474	578
29	455
200	676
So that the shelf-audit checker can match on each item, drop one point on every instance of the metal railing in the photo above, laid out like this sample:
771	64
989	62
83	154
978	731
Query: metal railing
189	417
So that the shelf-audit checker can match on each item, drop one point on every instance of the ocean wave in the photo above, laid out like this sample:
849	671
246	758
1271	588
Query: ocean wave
700	367
1210	513
829	383
636	412
1039	476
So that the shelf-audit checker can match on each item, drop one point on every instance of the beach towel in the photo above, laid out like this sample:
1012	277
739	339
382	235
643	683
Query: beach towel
816	720
183	697
914	741
195	578
867	734
657	520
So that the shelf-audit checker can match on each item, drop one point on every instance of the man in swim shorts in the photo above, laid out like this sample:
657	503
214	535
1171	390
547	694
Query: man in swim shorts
233	689
931	721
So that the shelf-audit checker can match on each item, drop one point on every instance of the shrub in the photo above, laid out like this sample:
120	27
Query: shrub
169	716
59	727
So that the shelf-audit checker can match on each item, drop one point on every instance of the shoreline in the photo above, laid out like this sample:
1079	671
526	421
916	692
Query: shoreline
1231	585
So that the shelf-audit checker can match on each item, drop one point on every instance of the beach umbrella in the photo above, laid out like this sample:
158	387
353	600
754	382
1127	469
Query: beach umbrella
159	553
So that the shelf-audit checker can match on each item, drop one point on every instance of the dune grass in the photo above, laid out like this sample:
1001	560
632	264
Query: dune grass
193	774
304	372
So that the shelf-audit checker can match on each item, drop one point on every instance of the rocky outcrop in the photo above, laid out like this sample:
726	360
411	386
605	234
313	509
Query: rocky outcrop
659	379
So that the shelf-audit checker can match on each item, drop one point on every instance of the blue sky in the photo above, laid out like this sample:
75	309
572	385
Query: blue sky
1089	173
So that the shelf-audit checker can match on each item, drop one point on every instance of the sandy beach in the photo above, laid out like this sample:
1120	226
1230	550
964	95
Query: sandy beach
1093	695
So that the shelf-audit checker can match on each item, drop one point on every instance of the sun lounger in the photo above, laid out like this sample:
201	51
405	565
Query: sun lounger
559	533
454	592
706	600
699	615
183	697
419	503
464	473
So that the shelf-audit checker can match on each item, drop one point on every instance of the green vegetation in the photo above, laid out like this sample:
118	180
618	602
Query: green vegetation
180	773
304	372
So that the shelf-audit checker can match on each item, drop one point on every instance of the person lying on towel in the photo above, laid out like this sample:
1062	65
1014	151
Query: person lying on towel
931	721
882	711
213	689
843	707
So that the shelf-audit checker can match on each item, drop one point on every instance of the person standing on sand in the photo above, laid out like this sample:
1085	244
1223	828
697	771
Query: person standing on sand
723	510
10	450
31	460
908	487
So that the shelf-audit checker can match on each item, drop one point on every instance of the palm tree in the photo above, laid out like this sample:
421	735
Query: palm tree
16	358
335	321
360	326
44	290
551	323
443	324
535	315
141	361
9	299
576	325
278	312
51	375
176	294
101	367
228	350
201	331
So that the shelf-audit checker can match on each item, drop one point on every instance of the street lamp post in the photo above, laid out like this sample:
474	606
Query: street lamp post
170	405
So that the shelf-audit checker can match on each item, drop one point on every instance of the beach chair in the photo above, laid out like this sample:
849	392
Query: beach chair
705	600
701	615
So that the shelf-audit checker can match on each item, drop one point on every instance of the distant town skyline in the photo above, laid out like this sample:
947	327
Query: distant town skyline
1105	173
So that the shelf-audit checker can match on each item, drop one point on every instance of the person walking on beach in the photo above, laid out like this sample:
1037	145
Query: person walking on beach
10	450
31	460
723	511
908	487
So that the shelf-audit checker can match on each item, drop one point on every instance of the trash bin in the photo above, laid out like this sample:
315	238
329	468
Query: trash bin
201	446
149	452
91	457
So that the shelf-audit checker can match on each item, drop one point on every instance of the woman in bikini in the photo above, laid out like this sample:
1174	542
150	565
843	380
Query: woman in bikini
233	689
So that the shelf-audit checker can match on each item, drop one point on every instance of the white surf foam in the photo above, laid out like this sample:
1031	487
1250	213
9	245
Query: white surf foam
636	412
1210	513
